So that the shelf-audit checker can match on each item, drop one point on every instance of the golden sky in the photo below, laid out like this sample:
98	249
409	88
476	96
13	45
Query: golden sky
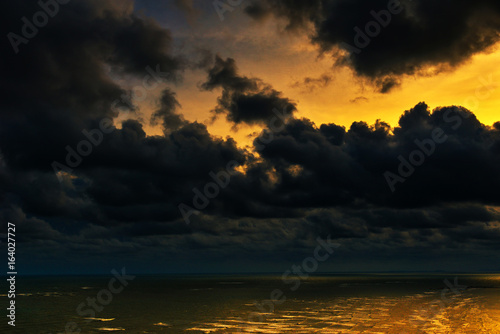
284	60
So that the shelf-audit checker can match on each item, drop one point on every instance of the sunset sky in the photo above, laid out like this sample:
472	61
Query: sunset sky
286	59
225	71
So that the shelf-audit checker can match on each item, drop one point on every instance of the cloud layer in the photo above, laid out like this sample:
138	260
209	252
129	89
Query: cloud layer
385	40
244	100
308	179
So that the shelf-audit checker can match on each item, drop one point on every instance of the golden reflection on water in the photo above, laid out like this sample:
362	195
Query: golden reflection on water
474	311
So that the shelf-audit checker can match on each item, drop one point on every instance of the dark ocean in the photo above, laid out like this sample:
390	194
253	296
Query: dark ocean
406	303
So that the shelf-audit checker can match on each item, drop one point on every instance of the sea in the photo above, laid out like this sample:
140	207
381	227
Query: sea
324	303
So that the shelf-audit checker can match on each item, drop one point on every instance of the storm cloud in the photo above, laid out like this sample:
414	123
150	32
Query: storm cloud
243	99
308	180
385	40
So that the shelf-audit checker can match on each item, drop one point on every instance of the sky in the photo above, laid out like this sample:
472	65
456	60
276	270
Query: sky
191	136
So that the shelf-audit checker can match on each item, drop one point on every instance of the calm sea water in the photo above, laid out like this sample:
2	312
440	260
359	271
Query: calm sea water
241	304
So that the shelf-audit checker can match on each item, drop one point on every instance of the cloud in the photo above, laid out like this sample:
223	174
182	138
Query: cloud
307	166
311	84
58	83
298	13
167	112
135	177
310	180
243	99
416	35
58	86
359	99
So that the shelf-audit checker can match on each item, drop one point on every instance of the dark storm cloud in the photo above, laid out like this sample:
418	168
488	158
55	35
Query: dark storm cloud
244	100
167	112
416	34
30	229
306	166
82	37
58	85
309	180
137	177
303	167
128	178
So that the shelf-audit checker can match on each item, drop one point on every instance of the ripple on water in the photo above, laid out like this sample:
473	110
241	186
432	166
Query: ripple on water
366	315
